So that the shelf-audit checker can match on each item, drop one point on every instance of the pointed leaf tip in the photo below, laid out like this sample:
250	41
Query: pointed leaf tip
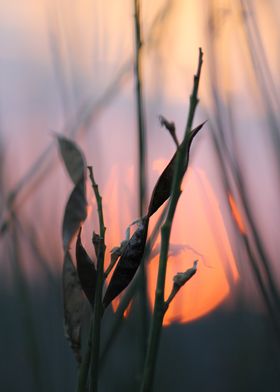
163	187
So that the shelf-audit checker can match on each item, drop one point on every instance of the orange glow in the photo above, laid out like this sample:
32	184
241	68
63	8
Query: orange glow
198	233
236	214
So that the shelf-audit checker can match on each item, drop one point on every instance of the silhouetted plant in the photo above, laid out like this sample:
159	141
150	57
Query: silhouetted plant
126	258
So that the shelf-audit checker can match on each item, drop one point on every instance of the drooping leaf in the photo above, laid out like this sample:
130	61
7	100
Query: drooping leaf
72	157
86	270
163	187
75	213
73	302
128	262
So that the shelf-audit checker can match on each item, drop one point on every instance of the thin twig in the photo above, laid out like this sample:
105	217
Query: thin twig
98	307
143	297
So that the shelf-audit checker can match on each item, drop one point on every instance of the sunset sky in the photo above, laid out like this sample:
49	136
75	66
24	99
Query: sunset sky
57	60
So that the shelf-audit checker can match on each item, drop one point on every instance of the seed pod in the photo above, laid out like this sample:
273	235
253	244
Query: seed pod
86	270
163	187
128	262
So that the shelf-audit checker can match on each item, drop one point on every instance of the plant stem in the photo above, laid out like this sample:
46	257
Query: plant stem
159	307
98	307
140	112
83	370
142	169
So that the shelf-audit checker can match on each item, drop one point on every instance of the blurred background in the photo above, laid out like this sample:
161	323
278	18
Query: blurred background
68	67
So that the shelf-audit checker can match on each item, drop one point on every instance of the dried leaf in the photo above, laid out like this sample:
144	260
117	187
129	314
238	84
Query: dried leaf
86	270
73	302
73	158
128	263
75	213
162	189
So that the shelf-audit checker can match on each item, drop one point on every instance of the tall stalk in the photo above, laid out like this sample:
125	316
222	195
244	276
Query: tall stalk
143	299
160	304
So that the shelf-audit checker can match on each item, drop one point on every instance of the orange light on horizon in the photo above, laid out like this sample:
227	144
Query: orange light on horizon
199	233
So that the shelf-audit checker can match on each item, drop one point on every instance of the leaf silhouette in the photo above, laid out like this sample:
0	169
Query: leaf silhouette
128	262
75	213
86	270
163	187
73	158
73	302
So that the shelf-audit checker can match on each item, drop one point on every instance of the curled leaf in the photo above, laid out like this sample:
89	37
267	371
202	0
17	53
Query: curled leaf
75	213
162	189
73	303
86	270
128	262
73	158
